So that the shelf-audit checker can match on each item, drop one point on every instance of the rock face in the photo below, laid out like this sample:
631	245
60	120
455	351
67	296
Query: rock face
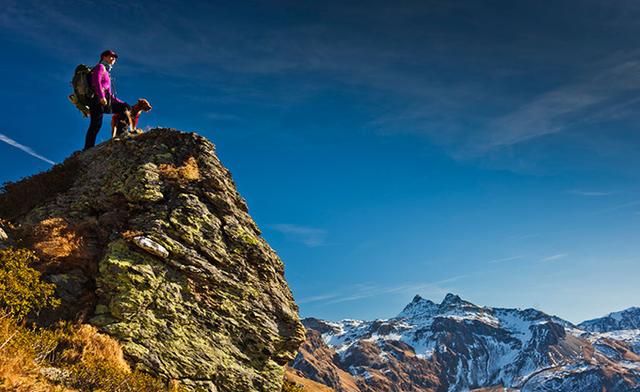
148	239
459	346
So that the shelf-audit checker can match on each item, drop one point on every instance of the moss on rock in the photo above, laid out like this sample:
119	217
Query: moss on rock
213	308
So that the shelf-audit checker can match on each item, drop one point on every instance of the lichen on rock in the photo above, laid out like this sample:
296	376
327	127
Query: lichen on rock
167	260
143	184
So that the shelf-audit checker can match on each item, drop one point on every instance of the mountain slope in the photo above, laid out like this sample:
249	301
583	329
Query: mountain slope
459	346
625	319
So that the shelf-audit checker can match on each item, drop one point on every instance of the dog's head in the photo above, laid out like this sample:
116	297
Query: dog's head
142	105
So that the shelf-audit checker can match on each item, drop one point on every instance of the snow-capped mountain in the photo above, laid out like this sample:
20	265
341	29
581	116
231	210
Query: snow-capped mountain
622	326
616	321
458	346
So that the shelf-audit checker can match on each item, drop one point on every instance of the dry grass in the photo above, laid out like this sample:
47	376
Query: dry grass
89	360
61	246
85	345
187	172
18	198
95	361
53	239
305	384
19	365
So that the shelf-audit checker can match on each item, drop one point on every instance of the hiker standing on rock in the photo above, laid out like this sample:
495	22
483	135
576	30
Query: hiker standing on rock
104	100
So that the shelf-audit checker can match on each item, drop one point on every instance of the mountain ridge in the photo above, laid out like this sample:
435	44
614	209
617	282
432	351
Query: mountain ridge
468	347
621	320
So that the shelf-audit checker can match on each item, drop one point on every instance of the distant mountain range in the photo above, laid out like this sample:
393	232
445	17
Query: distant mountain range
458	346
616	321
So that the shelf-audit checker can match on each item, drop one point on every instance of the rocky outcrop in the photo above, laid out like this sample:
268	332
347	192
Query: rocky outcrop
148	239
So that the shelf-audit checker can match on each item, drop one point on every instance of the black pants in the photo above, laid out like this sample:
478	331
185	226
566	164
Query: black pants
97	111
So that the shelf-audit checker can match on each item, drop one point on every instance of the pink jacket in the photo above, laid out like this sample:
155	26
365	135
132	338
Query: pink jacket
101	82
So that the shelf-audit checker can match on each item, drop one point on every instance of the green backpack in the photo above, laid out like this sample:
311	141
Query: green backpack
82	90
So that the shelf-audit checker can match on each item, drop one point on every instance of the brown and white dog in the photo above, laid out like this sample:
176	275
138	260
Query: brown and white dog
129	122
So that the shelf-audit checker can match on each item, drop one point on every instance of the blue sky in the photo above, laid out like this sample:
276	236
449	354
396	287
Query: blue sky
488	149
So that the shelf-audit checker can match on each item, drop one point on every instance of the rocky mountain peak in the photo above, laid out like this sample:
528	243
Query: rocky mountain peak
419	307
615	321
148	239
459	346
452	300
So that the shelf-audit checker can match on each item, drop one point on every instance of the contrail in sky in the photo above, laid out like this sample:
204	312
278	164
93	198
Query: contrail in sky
26	149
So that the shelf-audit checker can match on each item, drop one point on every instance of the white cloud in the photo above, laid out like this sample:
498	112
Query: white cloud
24	148
363	291
619	207
316	298
503	260
590	193
586	100
599	93
310	236
554	257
